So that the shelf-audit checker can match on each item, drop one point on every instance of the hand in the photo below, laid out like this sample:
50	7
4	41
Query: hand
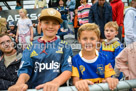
31	39
34	7
49	86
16	39
22	87
112	82
82	85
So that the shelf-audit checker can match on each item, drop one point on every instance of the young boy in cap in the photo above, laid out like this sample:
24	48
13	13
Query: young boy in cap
45	61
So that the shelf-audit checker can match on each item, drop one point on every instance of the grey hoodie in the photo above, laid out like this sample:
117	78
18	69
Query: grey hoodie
130	25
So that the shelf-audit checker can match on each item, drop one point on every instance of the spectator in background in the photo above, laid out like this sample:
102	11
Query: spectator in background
76	23
126	62
25	28
0	8
83	12
41	4
13	29
130	23
53	3
71	4
100	13
3	23
63	10
18	6
10	60
118	15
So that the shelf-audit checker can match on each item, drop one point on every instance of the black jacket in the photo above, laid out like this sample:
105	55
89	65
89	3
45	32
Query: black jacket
8	76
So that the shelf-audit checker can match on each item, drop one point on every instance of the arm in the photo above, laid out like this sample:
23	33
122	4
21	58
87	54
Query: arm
21	83
121	62
129	36
31	33
120	14
17	33
36	1
54	84
91	16
79	16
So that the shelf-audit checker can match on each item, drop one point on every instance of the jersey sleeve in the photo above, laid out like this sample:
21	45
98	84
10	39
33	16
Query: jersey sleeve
75	71
109	71
26	63
66	60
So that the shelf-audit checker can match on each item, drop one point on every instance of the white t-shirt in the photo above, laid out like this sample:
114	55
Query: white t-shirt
24	25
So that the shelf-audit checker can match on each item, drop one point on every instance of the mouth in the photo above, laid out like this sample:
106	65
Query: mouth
88	46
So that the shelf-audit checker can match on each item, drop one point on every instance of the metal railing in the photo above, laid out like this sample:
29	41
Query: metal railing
123	85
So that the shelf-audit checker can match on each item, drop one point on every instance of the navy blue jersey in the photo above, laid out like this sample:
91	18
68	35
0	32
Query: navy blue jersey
45	61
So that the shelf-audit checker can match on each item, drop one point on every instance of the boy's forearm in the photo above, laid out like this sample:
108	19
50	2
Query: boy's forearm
63	77
23	78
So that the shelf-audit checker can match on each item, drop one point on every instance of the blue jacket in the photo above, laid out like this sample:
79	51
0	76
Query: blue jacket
63	11
71	4
94	16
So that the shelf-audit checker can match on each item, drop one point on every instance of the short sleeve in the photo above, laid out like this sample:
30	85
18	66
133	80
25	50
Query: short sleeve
109	70
66	60
30	23
75	71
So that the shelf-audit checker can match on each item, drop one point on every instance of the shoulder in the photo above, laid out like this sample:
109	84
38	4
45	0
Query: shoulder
117	44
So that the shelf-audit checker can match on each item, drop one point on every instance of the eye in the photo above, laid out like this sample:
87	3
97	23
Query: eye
2	43
92	38
111	30
106	30
85	38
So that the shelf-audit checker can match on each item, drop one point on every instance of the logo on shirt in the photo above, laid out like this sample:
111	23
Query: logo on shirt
47	66
82	68
100	69
59	50
33	54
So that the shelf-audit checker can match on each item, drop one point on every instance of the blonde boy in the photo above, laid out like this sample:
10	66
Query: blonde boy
90	66
111	47
46	67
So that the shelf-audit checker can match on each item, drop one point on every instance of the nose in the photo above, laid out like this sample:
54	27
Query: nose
50	25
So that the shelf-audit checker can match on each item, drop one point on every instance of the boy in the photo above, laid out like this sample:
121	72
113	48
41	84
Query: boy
90	66
111	46
13	29
46	68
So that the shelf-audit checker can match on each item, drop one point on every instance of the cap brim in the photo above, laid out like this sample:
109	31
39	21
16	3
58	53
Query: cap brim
47	17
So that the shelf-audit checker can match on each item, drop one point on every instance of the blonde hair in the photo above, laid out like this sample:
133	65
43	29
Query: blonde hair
112	24
25	11
89	27
3	21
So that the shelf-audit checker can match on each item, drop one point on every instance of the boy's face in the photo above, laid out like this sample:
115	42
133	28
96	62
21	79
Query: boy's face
88	40
12	27
110	33
50	27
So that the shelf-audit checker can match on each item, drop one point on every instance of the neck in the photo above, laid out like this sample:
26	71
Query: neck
11	53
88	55
23	17
84	3
45	38
61	5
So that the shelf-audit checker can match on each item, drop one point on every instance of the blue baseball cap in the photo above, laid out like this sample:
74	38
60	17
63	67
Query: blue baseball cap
11	23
